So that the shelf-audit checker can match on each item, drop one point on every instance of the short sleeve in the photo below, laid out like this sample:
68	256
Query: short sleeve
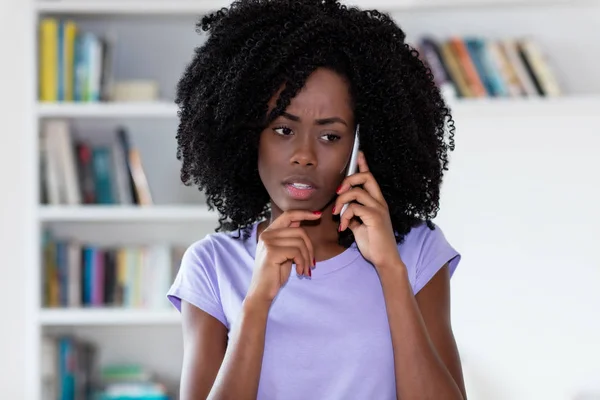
435	251
196	281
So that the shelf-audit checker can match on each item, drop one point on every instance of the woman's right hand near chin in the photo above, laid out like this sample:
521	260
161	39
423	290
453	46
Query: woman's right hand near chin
280	245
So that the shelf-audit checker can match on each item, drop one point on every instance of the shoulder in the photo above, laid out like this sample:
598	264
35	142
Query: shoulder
204	266
424	251
218	244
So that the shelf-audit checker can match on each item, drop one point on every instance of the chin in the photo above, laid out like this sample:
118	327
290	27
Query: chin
309	205
288	205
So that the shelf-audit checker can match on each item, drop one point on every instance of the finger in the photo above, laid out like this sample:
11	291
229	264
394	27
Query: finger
365	178
293	242
362	162
346	217
367	181
286	254
354	194
354	210
293	232
289	217
286	270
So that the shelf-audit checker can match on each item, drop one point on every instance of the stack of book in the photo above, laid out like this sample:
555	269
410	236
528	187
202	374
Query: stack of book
74	172
73	65
68	368
70	371
77	274
475	67
131	382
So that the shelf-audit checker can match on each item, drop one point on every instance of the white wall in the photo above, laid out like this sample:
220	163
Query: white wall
13	191
521	202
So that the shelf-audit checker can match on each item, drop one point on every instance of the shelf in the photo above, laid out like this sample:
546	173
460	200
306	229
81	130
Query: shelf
126	213
107	317
195	7
581	105
107	110
479	107
130	6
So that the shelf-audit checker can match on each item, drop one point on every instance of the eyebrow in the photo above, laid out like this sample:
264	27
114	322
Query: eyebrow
321	121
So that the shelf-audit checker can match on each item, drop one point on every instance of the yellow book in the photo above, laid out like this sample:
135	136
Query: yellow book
69	35
48	60
451	60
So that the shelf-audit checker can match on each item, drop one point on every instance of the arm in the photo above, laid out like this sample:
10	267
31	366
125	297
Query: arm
425	354
239	375
204	345
212	369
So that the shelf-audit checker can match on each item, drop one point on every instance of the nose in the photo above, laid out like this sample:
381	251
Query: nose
303	154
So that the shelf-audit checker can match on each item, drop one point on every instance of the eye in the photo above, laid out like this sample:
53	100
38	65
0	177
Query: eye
330	137
283	130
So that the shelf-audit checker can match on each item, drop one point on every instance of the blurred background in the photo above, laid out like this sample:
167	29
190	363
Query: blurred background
93	218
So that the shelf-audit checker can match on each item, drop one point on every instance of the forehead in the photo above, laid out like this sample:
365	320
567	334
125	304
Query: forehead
325	94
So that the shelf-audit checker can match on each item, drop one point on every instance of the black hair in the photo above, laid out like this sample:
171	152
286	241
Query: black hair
256	46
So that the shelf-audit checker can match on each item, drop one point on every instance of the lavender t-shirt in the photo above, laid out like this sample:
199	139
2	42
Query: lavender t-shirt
327	337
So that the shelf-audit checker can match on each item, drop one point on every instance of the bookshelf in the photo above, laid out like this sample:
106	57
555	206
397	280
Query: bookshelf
575	104
107	317
184	7
154	40
126	213
108	110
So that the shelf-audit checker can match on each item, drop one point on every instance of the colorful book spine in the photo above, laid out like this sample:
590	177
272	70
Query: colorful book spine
48	75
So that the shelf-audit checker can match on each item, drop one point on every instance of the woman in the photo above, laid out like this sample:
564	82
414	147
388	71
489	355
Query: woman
288	300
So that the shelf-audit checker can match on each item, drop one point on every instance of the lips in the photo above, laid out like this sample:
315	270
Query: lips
300	182
299	187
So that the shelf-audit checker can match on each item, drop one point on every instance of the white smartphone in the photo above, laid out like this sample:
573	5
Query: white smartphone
353	164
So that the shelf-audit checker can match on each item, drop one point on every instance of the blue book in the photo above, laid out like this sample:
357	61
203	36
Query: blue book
66	369
101	162
89	259
61	61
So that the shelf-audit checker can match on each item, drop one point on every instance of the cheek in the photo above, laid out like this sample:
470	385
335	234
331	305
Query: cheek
334	169
340	162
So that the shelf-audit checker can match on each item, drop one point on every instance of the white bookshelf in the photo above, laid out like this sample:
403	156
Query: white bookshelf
574	104
184	7
106	317
93	213
108	110
166	27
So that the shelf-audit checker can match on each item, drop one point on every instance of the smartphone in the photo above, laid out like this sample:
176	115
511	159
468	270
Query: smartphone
353	164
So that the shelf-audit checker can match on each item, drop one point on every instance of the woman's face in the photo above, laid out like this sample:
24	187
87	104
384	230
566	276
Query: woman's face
304	152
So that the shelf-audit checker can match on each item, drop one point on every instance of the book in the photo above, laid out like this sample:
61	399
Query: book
75	172
478	67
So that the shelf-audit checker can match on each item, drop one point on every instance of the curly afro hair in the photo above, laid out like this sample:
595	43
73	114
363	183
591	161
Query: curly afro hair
256	46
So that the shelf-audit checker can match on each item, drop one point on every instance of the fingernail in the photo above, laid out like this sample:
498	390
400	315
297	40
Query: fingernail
339	188
314	262
333	209
339	228
309	273
317	212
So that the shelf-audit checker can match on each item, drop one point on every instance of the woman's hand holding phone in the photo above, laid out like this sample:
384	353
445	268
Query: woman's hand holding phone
280	245
374	234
